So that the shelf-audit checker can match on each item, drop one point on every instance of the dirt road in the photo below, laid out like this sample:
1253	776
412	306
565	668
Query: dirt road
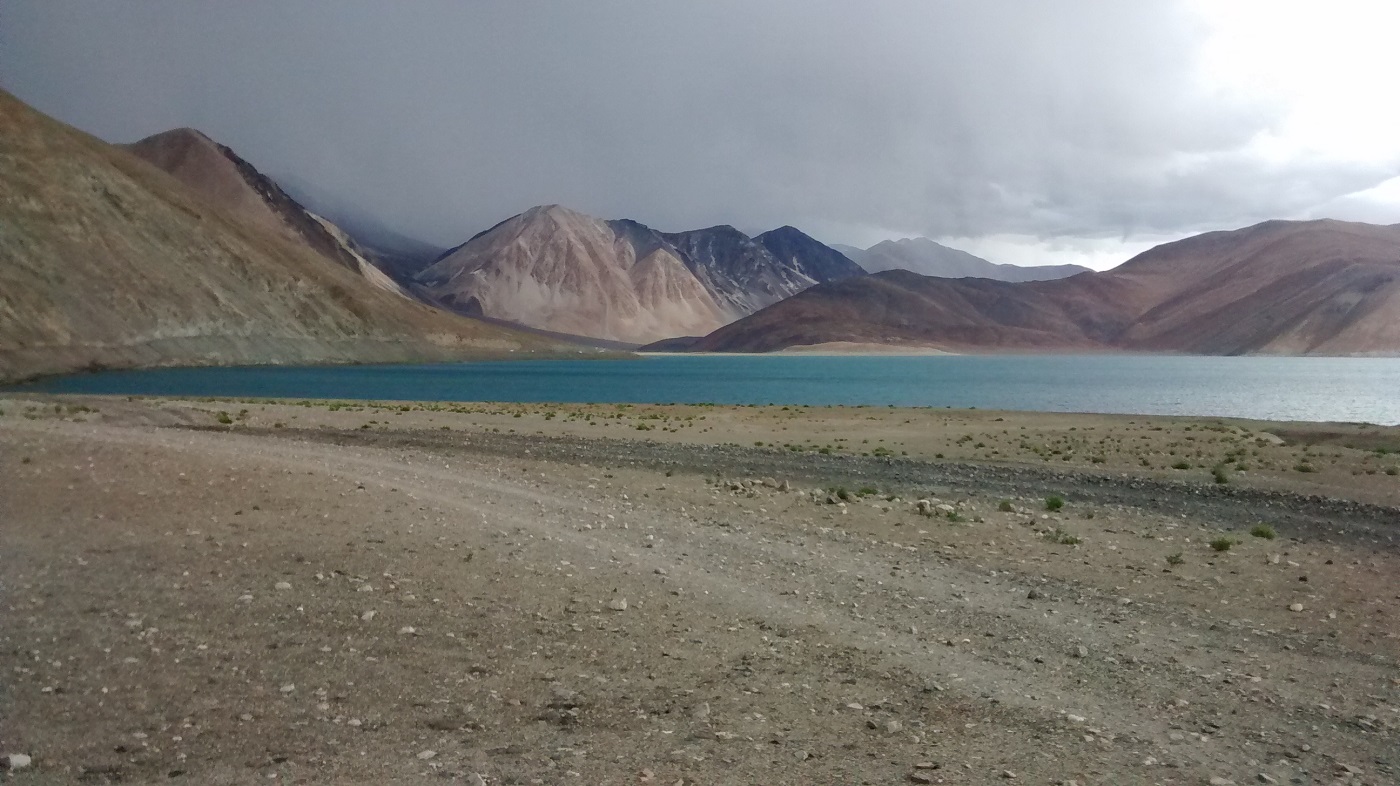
408	602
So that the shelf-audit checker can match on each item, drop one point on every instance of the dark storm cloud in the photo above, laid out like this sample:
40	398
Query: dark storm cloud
1046	119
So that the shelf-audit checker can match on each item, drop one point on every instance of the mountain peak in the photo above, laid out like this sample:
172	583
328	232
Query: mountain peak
557	212
182	135
786	231
239	191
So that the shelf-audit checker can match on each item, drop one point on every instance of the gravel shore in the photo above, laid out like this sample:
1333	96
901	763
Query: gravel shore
323	592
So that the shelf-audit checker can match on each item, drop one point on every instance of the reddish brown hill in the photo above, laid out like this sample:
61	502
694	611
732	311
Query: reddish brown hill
106	260
239	191
1315	287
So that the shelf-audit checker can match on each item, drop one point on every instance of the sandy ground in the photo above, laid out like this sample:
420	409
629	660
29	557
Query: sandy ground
325	592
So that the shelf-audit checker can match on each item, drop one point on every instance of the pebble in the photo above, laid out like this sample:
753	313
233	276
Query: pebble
288	688
1219	781
1034	595
1265	777
1080	652
425	755
920	777
283	585
475	780
15	761
367	616
408	630
618	605
1295	607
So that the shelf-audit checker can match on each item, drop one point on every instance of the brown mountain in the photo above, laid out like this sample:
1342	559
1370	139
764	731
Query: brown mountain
105	260
554	269
1281	287
238	190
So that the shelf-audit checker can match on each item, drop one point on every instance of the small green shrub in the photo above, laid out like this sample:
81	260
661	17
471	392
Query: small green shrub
1392	470
1304	466
1182	465
1222	544
868	491
1062	538
1221	476
1054	502
1005	506
1263	531
223	417
1175	559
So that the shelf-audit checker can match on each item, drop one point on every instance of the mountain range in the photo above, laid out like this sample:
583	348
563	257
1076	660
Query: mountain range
925	257
109	261
555	269
175	250
1281	287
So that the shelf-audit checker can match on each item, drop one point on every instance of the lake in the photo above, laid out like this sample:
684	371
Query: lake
1266	388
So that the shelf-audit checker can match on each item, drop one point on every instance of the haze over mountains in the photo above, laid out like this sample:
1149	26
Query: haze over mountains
1280	287
928	258
107	261
559	270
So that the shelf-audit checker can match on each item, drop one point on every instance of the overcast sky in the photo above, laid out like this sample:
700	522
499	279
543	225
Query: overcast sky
1030	131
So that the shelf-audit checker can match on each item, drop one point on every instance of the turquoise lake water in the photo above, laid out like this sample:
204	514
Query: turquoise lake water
1268	388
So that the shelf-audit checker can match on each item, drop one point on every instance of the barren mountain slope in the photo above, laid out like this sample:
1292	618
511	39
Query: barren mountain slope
1317	287
107	261
556	269
1279	287
237	189
742	273
899	307
799	251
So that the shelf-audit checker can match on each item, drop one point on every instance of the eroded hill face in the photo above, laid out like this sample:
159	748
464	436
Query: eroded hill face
1316	287
106	261
556	269
239	191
